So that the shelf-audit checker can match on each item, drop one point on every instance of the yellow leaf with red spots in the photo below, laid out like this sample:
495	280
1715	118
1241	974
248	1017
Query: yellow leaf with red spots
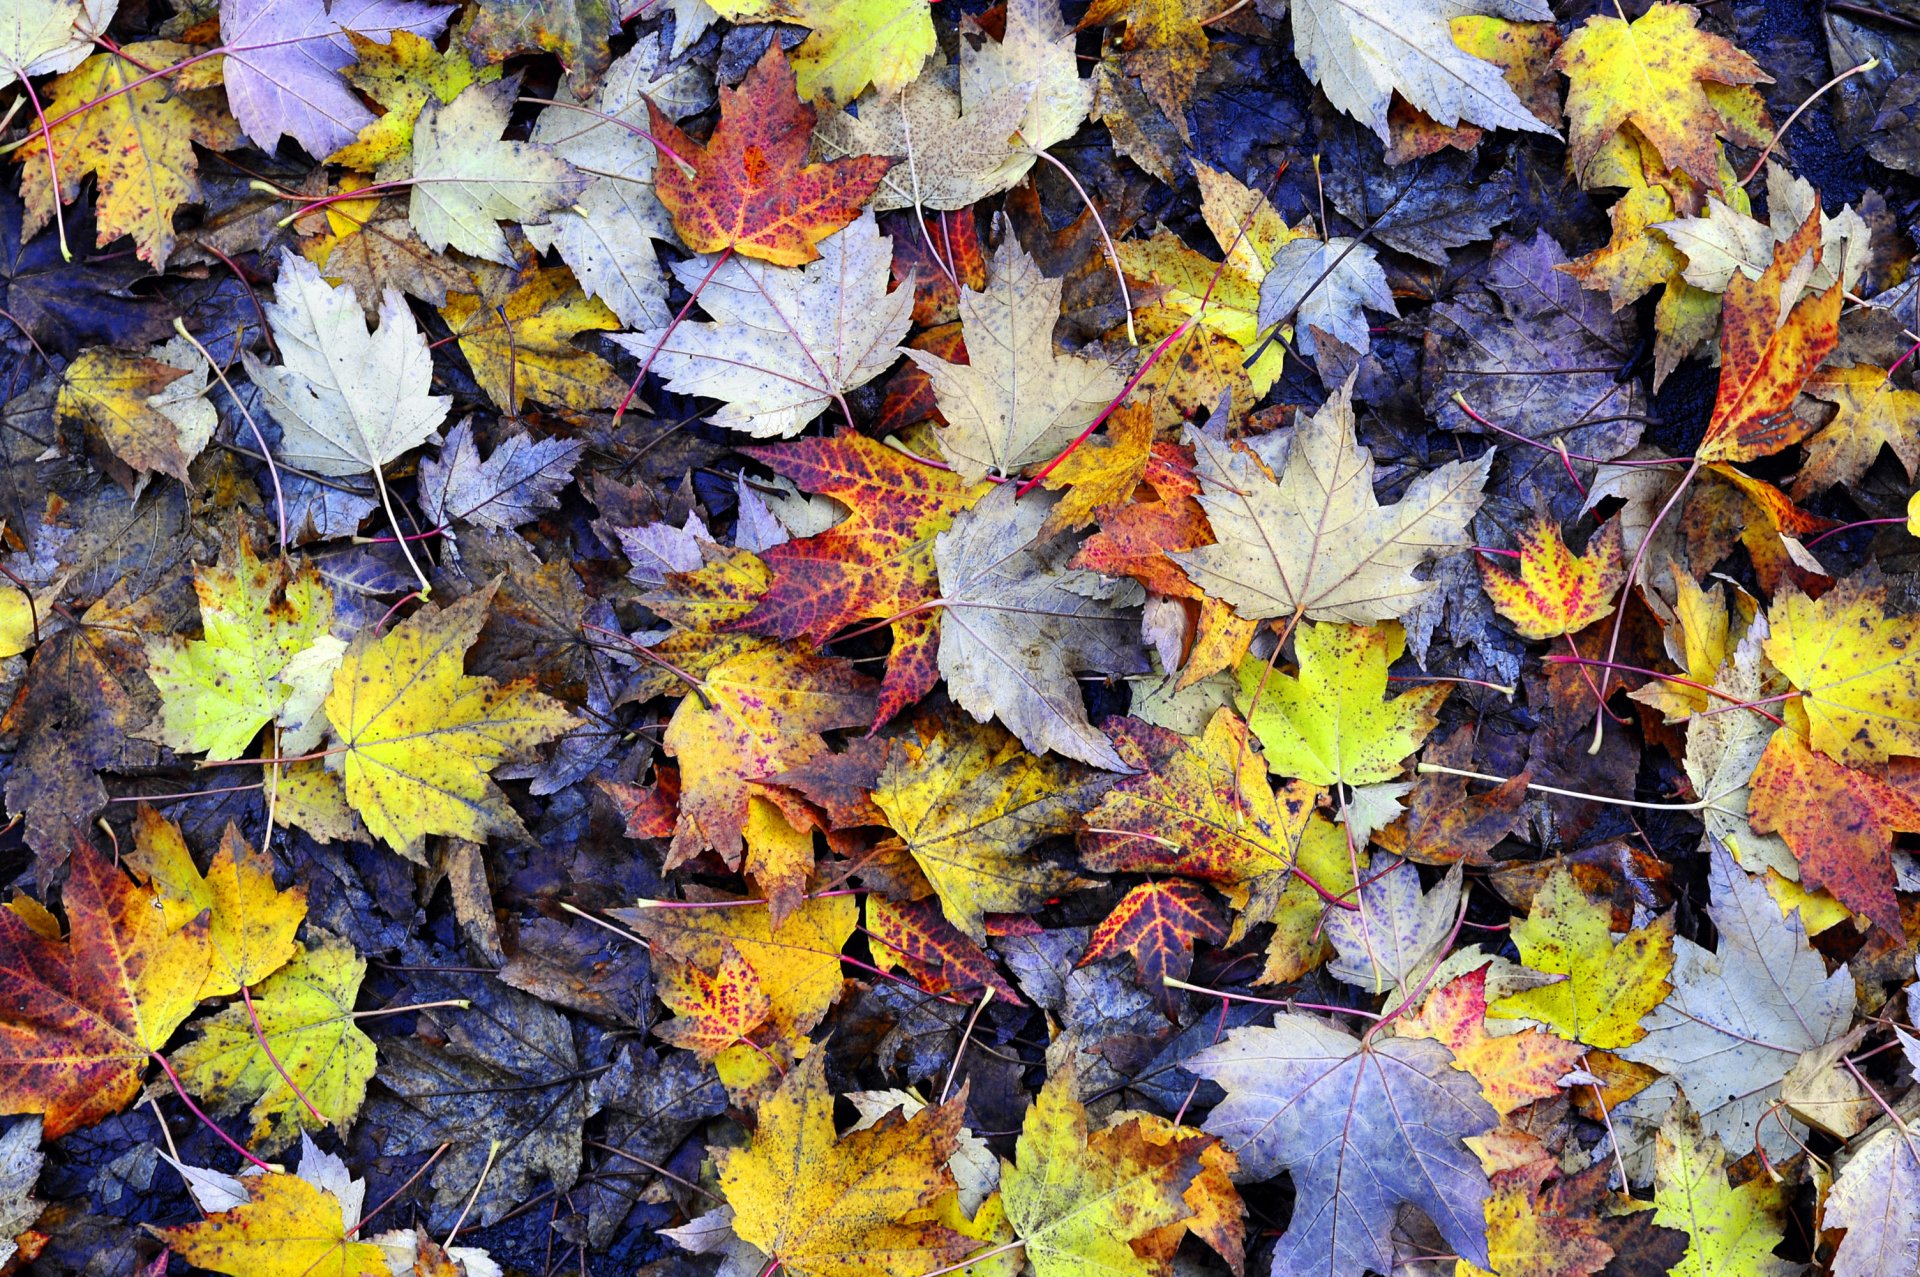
1556	592
1856	665
712	1009
288	1227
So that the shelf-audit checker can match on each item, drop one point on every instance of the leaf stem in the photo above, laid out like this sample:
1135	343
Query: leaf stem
1289	1003
279	497
1626	596
393	520
1780	132
1435	769
208	1122
462	1003
260	1036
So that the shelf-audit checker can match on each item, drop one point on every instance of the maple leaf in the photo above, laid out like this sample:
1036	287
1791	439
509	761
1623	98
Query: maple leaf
1538	1225
1362	1127
1016	401
418	735
1771	340
402	74
797	964
1316	541
1856	667
347	400
1157	922
712	1010
518	480
287	1227
1556	592
607	235
1873	1199
856	43
284	59
135	133
251	924
1361	52
256	617
305	1016
1733	1229
1397	936
967	801
948	152
875	565
1839	821
1076	1201
1871	413
38	37
575	31
1739	1018
1325	284
750	188
1331	724
915	937
1677	85
82	1017
1103	475
517	333
1513	1069
1444	823
465	179
823	1206
757	714
1610	984
1017	624
1164	47
785	343
1034	59
151	415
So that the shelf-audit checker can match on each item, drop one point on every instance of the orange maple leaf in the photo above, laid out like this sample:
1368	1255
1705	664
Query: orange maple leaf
1839	821
1557	592
874	565
751	188
1766	357
80	1019
1514	1069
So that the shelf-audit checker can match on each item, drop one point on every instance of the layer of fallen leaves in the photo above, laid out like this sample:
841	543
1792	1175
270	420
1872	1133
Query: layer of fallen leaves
869	638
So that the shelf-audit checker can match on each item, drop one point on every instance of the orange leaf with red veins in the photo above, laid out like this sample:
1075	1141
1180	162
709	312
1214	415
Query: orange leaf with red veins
1766	357
1557	592
1839	821
712	1010
956	238
872	566
915	937
910	398
1157	922
650	811
1514	1070
758	713
751	188
79	1020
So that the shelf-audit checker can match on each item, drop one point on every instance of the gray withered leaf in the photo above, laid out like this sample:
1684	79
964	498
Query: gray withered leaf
1363	1128
519	479
1017	626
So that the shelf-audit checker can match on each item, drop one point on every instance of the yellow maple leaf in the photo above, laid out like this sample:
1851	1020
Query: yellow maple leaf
1164	46
1731	1230
1078	1201
1103	474
797	963
517	335
1557	593
122	398
1681	87
288	1227
402	75
250	922
712	1009
1856	666
1332	724
305	1013
256	616
821	1205
757	714
1610	984
1513	1069
136	133
419	734
856	43
1871	412
968	800
779	855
